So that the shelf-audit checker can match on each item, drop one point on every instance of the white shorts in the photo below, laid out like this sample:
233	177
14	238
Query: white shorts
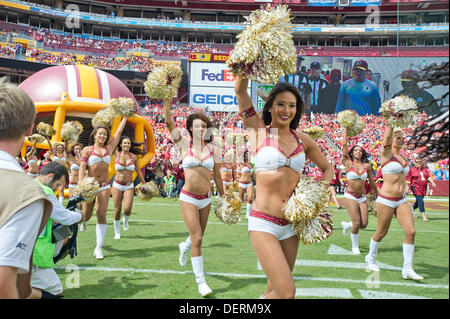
104	187
18	236
121	187
200	201
281	232
360	200
391	202
227	183
46	279
245	185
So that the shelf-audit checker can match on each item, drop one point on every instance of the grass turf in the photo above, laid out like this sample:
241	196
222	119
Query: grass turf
144	262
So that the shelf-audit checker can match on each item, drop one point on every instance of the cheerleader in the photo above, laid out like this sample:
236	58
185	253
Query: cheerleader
358	170
245	172
278	167
200	162
123	187
58	152
96	158
392	201
32	161
227	170
75	161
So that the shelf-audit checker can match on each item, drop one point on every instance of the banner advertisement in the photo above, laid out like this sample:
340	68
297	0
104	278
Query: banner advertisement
351	3
217	99
210	74
322	3
208	57
211	86
204	57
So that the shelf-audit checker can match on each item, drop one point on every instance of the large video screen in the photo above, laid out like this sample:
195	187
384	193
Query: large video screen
332	84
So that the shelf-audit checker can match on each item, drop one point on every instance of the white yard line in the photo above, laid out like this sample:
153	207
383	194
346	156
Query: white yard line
341	264
324	292
244	223
236	275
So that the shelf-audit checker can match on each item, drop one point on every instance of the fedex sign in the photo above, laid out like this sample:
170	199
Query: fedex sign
225	75
207	74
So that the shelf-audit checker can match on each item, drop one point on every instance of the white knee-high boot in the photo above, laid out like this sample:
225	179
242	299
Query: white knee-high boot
117	229
184	247
371	258
346	226
125	222
188	243
197	267
100	231
355	243
407	271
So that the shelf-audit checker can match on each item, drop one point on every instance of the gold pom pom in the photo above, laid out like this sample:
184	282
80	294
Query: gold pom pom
123	106
163	81
78	126
310	198
400	111
71	130
265	51
45	129
38	138
228	207
104	117
371	204
147	191
315	132
314	230
352	121
88	188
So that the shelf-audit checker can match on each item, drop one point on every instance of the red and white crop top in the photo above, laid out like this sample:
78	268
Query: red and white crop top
269	156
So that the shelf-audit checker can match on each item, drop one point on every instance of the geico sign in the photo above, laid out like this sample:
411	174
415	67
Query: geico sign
224	75
214	99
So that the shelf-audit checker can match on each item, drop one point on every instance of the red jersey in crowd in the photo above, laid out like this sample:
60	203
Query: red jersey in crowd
179	172
418	177
335	181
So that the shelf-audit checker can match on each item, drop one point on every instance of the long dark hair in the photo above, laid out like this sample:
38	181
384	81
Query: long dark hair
72	149
277	89
200	116
135	147
95	130
365	156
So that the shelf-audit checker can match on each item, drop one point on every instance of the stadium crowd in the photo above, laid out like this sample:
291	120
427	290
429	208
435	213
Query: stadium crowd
370	138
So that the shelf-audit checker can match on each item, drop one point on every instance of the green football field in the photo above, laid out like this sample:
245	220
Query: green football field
144	262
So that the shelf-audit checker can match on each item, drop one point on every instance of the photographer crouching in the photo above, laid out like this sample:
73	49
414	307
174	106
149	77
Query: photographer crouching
53	241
